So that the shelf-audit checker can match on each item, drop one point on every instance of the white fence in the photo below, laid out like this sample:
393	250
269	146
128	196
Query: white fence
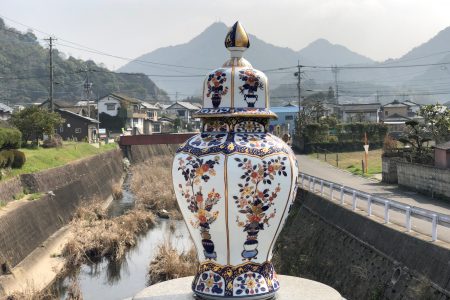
378	206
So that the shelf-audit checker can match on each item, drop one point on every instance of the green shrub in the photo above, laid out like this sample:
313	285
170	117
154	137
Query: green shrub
6	158
10	138
19	159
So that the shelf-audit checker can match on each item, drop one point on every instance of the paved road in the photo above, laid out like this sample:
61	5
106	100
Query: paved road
325	171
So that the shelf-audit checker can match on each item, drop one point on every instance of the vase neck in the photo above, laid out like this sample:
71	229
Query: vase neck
239	125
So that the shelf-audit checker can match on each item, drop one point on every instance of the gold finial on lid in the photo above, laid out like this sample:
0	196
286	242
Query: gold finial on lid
237	37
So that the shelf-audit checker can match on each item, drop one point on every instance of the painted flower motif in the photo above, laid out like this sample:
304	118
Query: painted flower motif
208	140
254	140
200	204
253	201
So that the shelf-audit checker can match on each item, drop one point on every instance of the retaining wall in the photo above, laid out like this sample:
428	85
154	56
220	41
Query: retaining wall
389	169
425	179
140	153
9	188
360	258
27	226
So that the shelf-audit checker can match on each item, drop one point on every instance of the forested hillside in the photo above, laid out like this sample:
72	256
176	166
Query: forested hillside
24	73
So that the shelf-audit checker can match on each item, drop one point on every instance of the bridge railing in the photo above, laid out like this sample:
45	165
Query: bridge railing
368	202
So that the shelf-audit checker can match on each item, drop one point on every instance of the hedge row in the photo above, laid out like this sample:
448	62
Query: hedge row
12	159
10	138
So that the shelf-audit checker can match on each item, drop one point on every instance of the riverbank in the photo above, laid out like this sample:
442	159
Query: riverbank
27	225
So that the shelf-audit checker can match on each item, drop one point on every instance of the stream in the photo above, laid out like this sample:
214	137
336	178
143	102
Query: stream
119	280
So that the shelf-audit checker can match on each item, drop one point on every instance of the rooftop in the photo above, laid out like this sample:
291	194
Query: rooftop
5	108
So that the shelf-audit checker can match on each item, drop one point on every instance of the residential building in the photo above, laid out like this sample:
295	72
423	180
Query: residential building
5	112
286	119
360	112
183	111
395	114
77	127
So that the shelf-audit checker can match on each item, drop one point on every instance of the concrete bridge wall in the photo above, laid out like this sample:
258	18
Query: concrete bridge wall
359	257
28	225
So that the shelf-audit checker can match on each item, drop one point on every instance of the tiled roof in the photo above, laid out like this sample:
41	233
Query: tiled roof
186	105
79	116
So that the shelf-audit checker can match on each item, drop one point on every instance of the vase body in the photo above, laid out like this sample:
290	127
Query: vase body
235	184
234	181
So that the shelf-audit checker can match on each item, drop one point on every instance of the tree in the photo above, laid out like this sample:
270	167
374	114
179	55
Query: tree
34	122
437	117
416	135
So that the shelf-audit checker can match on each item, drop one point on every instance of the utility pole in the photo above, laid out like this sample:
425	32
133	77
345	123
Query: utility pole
50	42
335	71
87	90
298	74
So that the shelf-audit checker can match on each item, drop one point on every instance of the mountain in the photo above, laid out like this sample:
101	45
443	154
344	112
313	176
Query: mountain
325	53
206	51
24	73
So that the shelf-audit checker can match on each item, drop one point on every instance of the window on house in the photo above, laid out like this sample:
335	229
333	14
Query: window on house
181	113
386	113
151	114
289	118
110	106
77	130
156	127
135	120
61	129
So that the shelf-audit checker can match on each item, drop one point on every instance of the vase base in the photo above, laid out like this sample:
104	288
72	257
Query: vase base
255	297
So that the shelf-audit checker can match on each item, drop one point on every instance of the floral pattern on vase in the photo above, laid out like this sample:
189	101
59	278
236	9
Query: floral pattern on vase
252	82
250	284
254	140
216	126
254	201
216	89
196	170
210	283
206	140
249	126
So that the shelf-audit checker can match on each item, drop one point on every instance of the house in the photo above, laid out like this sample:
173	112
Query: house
360	112
5	112
395	114
122	106
57	104
77	127
286	119
442	155
183	111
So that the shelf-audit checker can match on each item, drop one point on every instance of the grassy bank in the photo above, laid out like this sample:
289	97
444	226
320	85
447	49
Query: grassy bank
41	158
351	161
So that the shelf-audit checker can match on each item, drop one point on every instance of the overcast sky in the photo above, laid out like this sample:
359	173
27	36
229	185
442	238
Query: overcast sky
379	29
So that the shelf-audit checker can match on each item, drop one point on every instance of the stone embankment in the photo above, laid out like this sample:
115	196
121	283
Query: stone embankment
359	257
25	225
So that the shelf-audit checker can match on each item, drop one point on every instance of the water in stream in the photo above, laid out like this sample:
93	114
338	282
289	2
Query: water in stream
106	280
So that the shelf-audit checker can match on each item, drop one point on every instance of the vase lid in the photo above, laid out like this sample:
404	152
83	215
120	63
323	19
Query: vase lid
236	88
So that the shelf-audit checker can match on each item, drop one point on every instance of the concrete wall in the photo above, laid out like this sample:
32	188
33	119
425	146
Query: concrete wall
360	258
27	226
9	188
389	169
423	178
140	153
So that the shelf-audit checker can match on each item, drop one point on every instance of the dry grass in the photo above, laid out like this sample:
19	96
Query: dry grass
168	263
95	237
117	192
30	293
152	185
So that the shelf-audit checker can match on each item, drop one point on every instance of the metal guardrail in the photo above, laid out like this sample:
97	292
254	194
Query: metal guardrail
434	218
